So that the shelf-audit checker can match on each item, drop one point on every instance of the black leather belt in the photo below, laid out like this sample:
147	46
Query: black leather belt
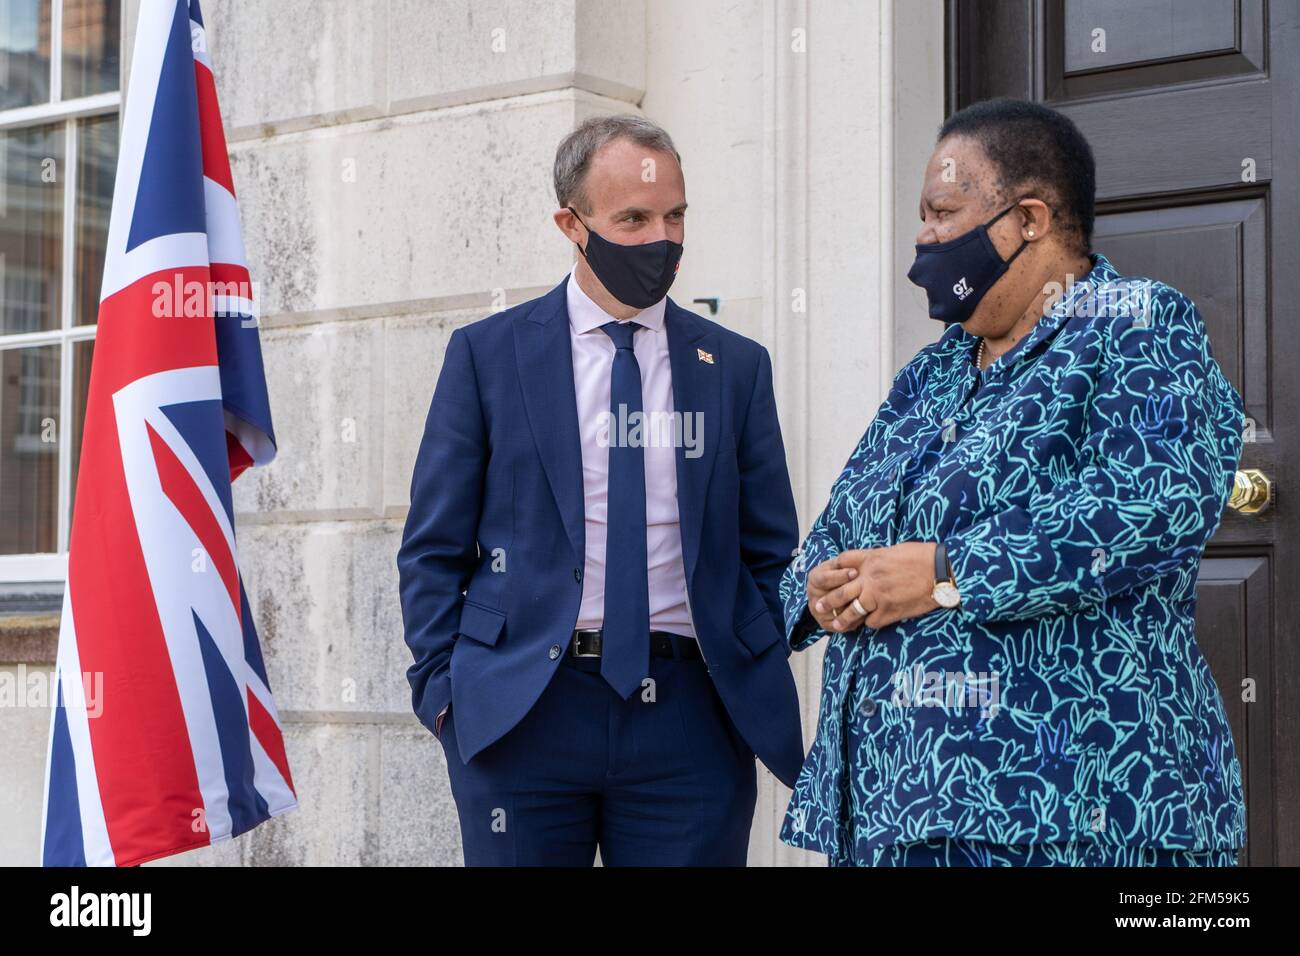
586	643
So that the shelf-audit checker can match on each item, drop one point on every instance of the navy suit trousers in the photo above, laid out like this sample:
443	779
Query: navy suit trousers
667	781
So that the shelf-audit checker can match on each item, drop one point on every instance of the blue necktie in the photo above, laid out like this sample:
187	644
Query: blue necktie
625	643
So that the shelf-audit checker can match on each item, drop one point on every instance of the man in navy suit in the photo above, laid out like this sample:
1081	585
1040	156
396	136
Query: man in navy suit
600	516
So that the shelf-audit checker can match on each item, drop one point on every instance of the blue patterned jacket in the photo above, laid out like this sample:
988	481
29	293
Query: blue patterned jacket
1065	698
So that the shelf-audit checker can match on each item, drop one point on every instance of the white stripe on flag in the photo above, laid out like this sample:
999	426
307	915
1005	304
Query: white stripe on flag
94	830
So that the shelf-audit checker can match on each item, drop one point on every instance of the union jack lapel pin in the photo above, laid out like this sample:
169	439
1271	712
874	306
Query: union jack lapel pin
704	356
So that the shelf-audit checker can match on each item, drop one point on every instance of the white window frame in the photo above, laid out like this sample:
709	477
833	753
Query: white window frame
31	568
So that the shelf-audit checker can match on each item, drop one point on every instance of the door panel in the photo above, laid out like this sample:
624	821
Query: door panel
1233	607
1093	47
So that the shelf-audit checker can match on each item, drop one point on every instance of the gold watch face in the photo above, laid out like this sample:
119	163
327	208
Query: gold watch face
946	595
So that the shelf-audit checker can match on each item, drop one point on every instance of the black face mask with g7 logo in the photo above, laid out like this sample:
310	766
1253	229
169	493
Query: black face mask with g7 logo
638	276
956	274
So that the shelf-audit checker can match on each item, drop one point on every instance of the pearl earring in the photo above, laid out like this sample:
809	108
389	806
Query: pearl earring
1031	232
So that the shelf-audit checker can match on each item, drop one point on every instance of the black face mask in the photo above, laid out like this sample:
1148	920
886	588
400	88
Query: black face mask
956	274
638	276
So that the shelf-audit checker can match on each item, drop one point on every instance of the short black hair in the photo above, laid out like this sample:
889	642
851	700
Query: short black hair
1031	144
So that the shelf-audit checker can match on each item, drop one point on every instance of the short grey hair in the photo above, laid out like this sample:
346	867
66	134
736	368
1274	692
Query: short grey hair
574	155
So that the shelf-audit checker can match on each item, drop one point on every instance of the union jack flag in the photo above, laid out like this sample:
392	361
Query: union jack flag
164	735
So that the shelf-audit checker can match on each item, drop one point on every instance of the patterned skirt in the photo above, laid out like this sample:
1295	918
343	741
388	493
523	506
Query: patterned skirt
957	852
954	851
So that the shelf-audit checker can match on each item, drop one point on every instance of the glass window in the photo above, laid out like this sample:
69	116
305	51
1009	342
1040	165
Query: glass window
59	76
90	46
82	351
29	461
24	53
31	228
96	170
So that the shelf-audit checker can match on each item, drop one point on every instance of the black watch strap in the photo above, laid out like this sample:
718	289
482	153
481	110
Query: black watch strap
942	569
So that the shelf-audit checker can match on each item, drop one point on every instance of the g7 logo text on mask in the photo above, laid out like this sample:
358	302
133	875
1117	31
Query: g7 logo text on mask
970	254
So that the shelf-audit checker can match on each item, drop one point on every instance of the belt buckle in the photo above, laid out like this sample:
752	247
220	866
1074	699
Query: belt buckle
574	642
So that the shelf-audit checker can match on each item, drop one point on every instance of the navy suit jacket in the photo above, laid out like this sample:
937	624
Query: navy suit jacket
492	555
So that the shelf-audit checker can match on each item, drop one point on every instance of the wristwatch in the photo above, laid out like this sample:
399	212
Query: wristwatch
945	591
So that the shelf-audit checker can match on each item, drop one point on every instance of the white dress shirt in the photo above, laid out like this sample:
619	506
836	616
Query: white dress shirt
593	361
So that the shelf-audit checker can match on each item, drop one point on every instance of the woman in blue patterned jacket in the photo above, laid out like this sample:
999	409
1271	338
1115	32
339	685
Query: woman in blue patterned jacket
1005	570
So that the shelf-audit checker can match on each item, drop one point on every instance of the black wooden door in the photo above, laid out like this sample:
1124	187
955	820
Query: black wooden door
1193	111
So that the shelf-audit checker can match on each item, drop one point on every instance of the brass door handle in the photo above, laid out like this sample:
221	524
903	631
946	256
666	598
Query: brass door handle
1252	492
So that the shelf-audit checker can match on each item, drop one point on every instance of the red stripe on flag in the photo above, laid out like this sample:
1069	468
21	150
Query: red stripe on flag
239	457
228	272
268	735
179	487
143	329
216	162
144	761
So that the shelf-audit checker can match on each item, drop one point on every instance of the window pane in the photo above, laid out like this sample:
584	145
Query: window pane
31	227
96	167
82	353
29	449
90	46
24	53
